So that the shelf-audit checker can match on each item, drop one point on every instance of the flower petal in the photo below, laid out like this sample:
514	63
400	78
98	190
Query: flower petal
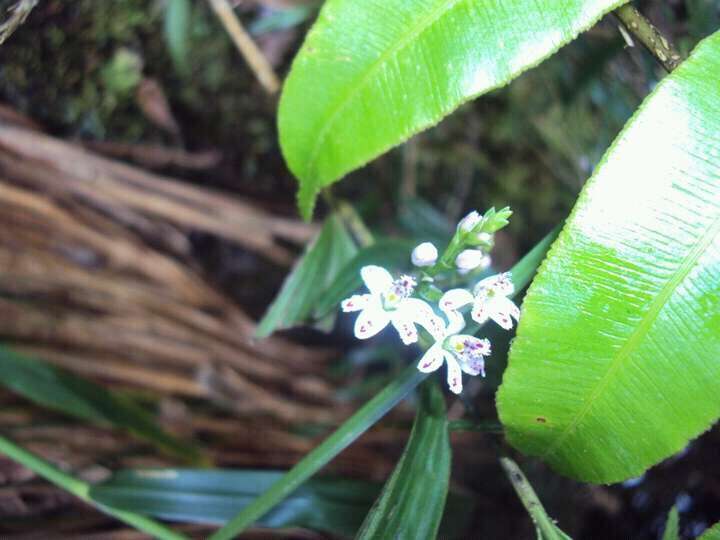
420	312
499	283
432	359
376	278
480	311
406	329
508	306
454	299
370	321
454	373
356	302
499	313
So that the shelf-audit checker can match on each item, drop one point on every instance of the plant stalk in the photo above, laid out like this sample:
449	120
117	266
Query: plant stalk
647	34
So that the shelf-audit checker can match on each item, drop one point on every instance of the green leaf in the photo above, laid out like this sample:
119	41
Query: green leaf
713	533
422	474
355	426
389	253
177	32
545	526
372	73
615	364
60	390
319	266
214	496
358	423
671	525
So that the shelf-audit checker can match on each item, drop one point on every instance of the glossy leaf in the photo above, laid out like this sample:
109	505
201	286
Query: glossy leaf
713	533
358	423
671	525
319	266
60	390
371	73
422	474
615	364
544	525
214	496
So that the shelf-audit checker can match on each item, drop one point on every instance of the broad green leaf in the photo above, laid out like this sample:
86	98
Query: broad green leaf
60	390
372	73
422	474
671	525
333	505
358	423
544	525
319	266
713	533
177	32
615	364
389	253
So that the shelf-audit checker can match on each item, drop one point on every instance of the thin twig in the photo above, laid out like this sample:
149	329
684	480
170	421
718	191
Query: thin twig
649	36
20	11
247	47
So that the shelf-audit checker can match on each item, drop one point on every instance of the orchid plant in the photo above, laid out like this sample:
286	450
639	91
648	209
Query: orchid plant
406	305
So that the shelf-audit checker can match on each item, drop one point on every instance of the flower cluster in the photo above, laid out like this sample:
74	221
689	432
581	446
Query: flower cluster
396	301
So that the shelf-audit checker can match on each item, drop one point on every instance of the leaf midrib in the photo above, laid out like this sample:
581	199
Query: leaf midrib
640	332
417	30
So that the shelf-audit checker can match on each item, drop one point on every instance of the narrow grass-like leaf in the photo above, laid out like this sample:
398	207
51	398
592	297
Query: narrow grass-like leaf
545	526
358	423
713	533
355	426
177	32
80	489
62	391
333	505
371	73
422	474
615	364
319	266
389	253
671	525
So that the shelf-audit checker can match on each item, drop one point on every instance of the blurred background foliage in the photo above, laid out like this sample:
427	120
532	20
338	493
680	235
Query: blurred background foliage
164	73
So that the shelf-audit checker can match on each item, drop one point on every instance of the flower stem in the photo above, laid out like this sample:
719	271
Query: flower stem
649	36
82	490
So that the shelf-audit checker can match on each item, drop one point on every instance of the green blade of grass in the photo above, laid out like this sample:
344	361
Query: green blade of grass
81	490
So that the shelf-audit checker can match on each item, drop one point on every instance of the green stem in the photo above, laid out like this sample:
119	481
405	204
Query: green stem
649	36
358	423
530	500
81	490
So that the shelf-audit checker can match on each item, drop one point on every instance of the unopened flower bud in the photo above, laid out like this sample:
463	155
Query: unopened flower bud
424	254
483	238
468	223
469	259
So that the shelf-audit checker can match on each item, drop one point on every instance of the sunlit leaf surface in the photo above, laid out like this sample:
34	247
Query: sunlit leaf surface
371	73
616	364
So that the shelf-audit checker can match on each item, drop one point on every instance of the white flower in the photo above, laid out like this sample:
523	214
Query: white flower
492	302
468	223
424	254
388	302
469	259
460	352
483	238
489	302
